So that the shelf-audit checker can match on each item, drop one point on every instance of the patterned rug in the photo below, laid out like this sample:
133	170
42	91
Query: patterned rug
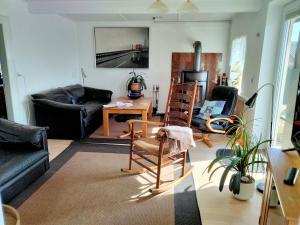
85	186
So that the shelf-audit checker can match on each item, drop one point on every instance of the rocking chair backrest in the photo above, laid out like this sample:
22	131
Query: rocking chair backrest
180	104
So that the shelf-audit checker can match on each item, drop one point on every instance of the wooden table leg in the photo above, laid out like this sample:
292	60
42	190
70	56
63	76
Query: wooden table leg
144	125
150	111
105	123
263	219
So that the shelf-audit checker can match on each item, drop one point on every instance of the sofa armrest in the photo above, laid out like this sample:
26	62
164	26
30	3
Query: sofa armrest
59	106
17	135
101	95
65	121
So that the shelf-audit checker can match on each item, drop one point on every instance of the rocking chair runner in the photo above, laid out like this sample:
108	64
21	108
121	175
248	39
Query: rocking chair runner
178	112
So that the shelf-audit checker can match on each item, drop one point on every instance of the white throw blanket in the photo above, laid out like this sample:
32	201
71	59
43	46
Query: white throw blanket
179	138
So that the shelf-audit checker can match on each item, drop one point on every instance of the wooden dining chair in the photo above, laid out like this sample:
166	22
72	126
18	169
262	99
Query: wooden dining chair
155	150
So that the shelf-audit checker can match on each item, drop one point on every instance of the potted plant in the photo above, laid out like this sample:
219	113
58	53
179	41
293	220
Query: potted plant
244	159
136	83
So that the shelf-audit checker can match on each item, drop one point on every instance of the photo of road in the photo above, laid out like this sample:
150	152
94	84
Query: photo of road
113	50
135	58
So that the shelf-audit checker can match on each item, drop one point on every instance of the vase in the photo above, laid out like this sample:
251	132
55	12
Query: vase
135	87
246	191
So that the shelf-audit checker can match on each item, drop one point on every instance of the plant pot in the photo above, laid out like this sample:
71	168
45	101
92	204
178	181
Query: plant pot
246	191
135	87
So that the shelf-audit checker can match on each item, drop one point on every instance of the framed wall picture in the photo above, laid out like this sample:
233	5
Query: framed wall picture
122	47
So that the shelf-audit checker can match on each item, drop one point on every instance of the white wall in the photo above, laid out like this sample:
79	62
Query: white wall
165	38
262	30
44	49
252	26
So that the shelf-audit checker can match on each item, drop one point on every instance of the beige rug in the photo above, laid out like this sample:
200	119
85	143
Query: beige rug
89	189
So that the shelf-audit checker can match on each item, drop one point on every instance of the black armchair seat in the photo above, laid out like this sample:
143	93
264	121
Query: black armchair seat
71	112
15	162
219	93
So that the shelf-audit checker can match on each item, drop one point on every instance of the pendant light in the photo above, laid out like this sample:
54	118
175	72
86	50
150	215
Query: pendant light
188	7
158	7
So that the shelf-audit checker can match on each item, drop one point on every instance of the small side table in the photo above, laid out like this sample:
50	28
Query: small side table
11	215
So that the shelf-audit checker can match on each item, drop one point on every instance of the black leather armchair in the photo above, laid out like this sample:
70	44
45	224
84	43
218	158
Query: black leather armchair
217	123
23	157
72	112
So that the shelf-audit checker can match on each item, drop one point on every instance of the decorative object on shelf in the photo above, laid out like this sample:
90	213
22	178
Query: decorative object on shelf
135	84
187	7
222	80
155	98
244	159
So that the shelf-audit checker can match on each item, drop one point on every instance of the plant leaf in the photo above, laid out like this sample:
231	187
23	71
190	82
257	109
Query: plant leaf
228	168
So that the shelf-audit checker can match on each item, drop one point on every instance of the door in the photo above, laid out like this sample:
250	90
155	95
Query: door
3	65
3	112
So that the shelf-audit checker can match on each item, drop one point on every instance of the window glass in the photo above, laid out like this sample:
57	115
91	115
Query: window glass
237	61
288	86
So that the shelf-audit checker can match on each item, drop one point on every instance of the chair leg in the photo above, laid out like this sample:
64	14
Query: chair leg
183	164
158	173
131	156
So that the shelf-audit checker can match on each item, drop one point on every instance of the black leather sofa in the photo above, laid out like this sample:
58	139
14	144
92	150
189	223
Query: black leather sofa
23	157
71	112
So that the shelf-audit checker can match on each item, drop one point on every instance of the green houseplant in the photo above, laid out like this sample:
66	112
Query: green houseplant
136	82
244	159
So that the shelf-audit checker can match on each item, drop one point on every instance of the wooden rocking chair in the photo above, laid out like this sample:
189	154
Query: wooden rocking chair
178	112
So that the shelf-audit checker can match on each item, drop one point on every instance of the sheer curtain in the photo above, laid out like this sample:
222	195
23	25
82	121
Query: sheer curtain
237	61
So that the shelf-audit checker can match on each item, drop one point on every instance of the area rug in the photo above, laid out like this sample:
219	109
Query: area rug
85	186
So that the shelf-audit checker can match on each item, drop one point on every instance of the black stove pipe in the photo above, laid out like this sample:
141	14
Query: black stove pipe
197	57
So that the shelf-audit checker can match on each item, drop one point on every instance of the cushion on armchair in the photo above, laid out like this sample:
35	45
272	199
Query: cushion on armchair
211	108
13	135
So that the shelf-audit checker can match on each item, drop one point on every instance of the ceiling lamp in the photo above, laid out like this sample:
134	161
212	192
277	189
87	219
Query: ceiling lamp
158	7
188	7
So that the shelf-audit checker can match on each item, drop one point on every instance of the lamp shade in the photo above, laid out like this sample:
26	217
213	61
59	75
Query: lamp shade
188	7
251	101
158	7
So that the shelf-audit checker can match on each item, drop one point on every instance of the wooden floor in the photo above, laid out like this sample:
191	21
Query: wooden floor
216	208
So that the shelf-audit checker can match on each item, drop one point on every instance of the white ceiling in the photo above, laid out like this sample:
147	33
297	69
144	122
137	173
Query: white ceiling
130	10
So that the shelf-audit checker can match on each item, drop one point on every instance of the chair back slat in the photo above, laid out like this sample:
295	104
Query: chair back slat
178	114
180	97
177	122
180	104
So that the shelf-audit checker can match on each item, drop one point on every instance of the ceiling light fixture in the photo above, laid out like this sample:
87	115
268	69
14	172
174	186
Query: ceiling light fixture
158	7
188	7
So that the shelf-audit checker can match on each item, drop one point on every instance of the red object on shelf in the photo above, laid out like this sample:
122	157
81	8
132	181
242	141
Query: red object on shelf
297	123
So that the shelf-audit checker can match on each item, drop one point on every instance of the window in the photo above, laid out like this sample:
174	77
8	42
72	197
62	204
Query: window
287	81
237	61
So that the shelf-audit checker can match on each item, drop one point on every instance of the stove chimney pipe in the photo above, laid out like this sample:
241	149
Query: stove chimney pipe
197	58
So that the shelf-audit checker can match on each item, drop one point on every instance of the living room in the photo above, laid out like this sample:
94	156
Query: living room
48	45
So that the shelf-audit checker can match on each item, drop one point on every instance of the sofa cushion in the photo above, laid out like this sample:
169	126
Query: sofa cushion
77	92
93	110
14	162
57	94
13	135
